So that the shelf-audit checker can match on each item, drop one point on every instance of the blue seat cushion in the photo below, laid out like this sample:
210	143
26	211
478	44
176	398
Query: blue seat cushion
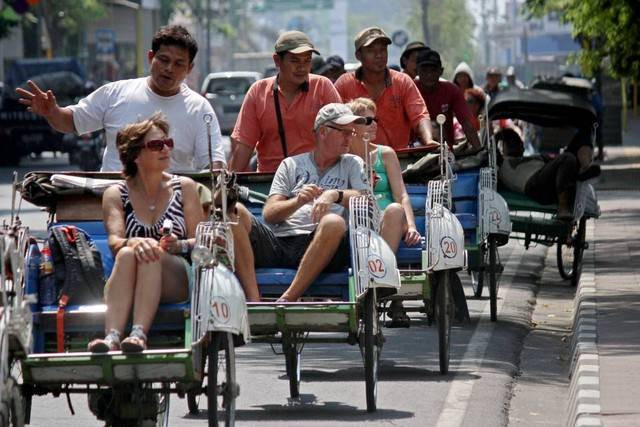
274	281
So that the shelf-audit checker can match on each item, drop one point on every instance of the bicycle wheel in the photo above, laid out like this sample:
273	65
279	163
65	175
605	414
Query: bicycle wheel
578	251
493	277
370	349
162	419
444	315
477	277
292	364
221	378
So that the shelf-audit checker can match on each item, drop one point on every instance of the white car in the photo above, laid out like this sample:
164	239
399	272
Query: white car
225	92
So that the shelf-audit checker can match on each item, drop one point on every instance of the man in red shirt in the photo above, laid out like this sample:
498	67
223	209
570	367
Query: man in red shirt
300	96
401	109
443	97
408	58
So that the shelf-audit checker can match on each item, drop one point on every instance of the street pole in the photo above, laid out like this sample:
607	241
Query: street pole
139	46
208	53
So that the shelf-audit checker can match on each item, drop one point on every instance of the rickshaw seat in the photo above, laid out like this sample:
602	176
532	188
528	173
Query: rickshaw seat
274	281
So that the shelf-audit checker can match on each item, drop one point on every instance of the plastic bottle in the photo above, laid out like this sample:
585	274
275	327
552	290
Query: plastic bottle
33	267
47	292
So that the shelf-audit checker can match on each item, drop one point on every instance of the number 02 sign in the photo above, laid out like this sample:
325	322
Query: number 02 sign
377	267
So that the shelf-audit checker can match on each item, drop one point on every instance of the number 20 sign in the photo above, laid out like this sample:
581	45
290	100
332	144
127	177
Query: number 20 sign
449	247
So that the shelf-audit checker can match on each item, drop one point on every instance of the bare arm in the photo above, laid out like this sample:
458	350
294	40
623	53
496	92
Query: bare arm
240	156
113	216
44	104
424	132
470	132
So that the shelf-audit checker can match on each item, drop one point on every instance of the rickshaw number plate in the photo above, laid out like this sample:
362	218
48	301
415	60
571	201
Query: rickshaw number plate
449	247
377	266
220	309
494	216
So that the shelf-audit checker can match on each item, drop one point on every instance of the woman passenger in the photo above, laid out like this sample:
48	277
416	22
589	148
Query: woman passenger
149	268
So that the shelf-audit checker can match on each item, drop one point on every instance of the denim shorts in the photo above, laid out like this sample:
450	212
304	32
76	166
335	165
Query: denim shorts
271	251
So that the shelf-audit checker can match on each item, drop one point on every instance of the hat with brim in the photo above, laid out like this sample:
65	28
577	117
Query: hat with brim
338	114
428	57
370	35
294	42
332	62
411	47
493	71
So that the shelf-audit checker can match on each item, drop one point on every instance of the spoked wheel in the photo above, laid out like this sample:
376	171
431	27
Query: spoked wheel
221	378
292	364
569	253
444	316
193	402
492	275
162	419
477	277
371	350
11	405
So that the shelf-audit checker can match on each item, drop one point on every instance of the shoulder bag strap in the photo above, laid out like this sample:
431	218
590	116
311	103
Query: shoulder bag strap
276	100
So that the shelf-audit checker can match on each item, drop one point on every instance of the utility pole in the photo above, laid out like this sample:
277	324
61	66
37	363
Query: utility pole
485	31
208	52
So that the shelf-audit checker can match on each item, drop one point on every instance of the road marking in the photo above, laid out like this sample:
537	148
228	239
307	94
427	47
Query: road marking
458	398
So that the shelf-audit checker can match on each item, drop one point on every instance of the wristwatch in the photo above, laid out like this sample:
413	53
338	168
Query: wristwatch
340	196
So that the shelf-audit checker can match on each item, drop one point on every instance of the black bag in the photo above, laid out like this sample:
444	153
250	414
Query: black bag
77	265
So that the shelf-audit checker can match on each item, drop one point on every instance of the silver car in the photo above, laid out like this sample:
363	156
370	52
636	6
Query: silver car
225	92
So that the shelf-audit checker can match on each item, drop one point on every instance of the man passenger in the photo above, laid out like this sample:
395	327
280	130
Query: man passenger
401	109
303	222
300	96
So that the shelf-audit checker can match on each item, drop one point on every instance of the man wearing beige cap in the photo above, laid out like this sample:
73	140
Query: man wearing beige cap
401	109
278	112
303	223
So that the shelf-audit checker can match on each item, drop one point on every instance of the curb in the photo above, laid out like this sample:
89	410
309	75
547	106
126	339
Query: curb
583	408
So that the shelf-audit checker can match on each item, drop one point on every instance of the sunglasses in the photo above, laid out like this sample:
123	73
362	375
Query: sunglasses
346	132
158	144
369	120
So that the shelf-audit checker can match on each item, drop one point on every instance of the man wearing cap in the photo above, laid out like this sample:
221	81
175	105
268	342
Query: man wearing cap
401	109
277	113
408	58
492	86
512	81
303	222
333	68
443	97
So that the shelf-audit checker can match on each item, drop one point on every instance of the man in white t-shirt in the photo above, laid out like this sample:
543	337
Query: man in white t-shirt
119	103
303	222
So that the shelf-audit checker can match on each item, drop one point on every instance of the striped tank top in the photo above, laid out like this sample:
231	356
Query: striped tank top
174	211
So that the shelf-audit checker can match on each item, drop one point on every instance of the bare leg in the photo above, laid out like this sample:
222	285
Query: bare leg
585	157
563	205
329	234
148	291
119	290
394	225
244	260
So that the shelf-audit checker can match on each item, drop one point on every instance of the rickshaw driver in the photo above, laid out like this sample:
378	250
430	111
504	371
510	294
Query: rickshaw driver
401	109
303	223
443	97
119	103
300	96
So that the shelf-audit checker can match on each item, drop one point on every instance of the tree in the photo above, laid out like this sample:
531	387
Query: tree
8	20
607	30
66	19
447	27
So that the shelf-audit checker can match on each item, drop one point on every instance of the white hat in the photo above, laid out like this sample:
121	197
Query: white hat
336	113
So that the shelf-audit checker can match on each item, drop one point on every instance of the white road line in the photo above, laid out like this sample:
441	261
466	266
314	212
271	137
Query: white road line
455	405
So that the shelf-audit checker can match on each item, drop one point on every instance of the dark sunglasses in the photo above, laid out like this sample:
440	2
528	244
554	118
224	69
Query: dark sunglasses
158	144
369	120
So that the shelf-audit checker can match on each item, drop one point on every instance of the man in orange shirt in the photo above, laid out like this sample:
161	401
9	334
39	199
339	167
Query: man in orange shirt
401	108
300	96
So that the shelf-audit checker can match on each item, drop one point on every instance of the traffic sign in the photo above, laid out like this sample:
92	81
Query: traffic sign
400	38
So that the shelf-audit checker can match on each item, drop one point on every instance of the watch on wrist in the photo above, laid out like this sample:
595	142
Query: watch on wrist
340	196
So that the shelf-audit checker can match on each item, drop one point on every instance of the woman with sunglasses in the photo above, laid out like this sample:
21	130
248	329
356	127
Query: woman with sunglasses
150	218
398	222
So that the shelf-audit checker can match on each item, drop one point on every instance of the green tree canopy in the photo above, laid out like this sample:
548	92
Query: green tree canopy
8	20
68	18
607	29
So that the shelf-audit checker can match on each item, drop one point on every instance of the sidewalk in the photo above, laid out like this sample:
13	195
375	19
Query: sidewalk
605	374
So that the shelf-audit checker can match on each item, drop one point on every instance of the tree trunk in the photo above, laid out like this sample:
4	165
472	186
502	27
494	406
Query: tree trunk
424	5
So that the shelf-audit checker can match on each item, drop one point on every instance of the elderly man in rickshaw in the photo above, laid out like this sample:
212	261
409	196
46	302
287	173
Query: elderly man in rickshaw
303	224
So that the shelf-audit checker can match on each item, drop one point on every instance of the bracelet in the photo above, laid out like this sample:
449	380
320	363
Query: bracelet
184	247
340	196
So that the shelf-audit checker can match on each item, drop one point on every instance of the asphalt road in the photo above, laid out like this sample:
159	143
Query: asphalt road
411	392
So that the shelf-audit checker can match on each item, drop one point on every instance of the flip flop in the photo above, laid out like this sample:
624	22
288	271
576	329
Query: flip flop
133	344
103	346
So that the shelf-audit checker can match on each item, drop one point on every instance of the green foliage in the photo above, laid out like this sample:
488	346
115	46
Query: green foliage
66	19
8	20
450	29
607	29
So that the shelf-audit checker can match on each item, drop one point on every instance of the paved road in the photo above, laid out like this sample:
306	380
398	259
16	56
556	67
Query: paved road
411	392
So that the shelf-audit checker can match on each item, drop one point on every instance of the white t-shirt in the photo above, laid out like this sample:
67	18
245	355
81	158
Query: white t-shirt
297	171
120	103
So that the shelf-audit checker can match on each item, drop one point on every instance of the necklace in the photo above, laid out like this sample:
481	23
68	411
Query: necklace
152	206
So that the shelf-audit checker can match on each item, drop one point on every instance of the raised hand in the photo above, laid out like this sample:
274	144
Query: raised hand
37	101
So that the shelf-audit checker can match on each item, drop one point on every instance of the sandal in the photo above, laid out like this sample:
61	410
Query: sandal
136	342
110	343
399	317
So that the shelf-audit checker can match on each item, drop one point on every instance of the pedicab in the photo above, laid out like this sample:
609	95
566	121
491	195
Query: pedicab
345	303
15	315
534	223
190	345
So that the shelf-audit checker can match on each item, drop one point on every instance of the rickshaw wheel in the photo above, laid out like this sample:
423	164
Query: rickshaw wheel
444	315
477	283
569	254
227	388
193	402
492	276
11	406
371	350
292	365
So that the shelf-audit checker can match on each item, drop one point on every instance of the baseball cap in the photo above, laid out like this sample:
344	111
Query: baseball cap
336	113
411	47
294	42
494	71
428	57
332	62
511	71
369	35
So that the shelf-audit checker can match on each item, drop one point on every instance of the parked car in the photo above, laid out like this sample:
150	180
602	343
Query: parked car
225	91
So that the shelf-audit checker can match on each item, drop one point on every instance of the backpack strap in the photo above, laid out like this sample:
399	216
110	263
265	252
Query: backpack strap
92	273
